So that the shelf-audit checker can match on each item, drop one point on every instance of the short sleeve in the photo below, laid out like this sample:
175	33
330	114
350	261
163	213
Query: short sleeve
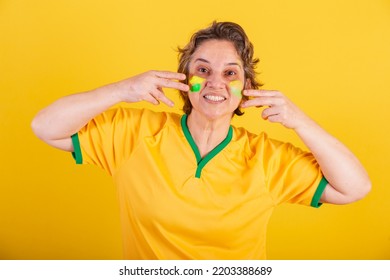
292	175
109	138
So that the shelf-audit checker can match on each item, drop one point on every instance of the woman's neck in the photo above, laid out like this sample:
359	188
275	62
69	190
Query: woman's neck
207	133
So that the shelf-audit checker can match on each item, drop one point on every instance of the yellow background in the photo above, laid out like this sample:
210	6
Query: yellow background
332	58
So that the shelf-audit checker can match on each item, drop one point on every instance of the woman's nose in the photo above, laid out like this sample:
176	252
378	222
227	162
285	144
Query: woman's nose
215	81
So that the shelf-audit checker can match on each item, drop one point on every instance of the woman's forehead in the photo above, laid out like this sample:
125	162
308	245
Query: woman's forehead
213	51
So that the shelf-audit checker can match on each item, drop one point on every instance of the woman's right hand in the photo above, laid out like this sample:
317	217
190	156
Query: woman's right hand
56	123
148	87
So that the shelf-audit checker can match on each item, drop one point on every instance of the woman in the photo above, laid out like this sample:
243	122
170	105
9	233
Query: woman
193	186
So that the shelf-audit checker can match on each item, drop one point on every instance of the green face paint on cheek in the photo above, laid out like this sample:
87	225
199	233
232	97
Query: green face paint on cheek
195	88
196	83
236	88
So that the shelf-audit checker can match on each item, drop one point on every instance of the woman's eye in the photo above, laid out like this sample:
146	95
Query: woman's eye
202	70
231	73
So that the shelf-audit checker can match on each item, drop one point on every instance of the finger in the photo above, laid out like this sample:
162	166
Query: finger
275	119
160	96
173	84
150	98
170	75
260	93
269	112
260	101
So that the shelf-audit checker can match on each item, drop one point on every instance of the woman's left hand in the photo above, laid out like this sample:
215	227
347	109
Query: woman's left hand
280	108
348	180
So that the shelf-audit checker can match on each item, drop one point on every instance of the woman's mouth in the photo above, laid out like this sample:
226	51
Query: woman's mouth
214	98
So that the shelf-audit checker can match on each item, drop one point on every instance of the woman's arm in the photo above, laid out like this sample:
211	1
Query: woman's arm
56	123
348	180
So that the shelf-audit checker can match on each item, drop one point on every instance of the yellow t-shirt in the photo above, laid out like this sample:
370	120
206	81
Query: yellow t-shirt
175	204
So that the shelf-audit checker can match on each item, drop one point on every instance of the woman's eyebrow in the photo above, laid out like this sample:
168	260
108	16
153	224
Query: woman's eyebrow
202	60
234	64
228	64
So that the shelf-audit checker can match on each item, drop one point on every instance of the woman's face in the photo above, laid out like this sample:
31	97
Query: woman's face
216	77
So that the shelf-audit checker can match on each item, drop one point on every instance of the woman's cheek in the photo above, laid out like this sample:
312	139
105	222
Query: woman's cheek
196	83
236	88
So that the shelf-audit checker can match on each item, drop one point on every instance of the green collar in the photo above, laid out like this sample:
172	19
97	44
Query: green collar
203	161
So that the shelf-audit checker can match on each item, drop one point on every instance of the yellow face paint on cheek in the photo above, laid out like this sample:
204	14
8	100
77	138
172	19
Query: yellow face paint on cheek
236	88
196	83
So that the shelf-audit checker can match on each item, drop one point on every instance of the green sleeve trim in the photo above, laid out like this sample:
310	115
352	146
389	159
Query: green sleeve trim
317	195
203	161
76	149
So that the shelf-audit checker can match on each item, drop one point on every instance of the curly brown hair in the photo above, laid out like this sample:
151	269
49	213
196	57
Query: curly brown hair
228	31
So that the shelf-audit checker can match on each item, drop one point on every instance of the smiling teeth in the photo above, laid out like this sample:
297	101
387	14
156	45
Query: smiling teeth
214	98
